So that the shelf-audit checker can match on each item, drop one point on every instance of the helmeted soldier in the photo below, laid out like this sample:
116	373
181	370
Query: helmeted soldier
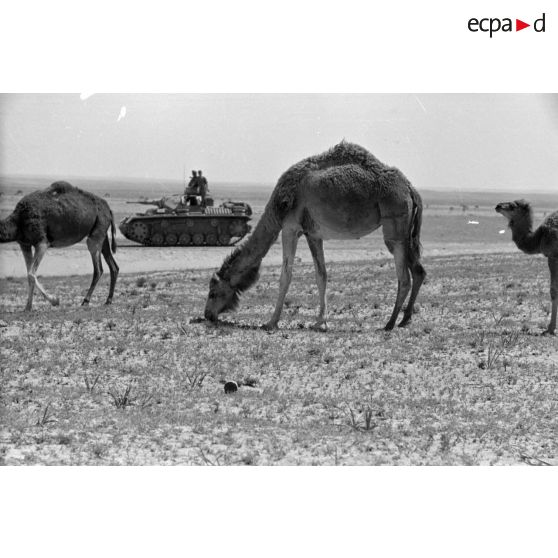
203	187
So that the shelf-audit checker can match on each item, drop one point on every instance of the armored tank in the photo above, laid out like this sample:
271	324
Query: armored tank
185	221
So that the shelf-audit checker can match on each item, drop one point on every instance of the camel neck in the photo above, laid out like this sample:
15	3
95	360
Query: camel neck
524	237
253	250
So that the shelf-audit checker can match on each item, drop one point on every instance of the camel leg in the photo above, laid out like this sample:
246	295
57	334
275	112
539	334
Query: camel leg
398	249
113	266
40	251
316	246
418	273
28	256
95	250
553	266
290	240
395	231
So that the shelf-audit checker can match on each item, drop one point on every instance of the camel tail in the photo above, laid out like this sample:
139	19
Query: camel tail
113	233
415	247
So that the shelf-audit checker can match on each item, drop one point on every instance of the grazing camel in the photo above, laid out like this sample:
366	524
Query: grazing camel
344	193
60	216
542	241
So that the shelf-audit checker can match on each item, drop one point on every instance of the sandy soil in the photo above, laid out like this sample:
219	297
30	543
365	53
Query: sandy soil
470	382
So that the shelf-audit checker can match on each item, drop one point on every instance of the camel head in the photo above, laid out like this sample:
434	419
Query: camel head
226	286
515	210
221	297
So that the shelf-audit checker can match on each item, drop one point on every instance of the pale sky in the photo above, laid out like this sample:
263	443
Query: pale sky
469	141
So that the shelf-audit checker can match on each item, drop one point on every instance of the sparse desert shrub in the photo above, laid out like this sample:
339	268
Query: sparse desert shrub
144	400
210	460
45	417
91	381
141	281
509	339
495	347
364	422
194	378
122	397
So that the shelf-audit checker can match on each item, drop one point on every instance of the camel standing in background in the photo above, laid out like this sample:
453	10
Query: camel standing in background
542	241
60	216
344	193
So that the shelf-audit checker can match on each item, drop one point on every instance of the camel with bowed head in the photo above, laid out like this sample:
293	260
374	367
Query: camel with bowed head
544	240
60	216
344	193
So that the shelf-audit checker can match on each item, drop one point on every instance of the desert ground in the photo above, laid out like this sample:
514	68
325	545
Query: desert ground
470	382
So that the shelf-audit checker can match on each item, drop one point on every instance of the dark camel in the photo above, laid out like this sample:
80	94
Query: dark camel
543	240
343	193
60	216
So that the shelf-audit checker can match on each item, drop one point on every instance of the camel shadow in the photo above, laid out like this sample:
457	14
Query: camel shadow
292	327
223	324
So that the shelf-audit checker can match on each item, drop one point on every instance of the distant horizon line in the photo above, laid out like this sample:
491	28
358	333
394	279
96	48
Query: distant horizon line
536	190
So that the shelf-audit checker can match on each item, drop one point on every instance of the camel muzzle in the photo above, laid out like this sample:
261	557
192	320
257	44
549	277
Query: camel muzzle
210	316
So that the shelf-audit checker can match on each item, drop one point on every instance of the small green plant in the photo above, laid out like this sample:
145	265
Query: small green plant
496	348
361	424
498	319
493	354
510	339
194	378
91	382
207	460
145	400
122	399
141	281
46	417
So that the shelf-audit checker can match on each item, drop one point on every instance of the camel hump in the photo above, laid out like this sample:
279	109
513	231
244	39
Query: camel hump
61	187
345	153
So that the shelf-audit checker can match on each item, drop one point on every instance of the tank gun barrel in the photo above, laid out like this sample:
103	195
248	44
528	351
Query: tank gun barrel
158	203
